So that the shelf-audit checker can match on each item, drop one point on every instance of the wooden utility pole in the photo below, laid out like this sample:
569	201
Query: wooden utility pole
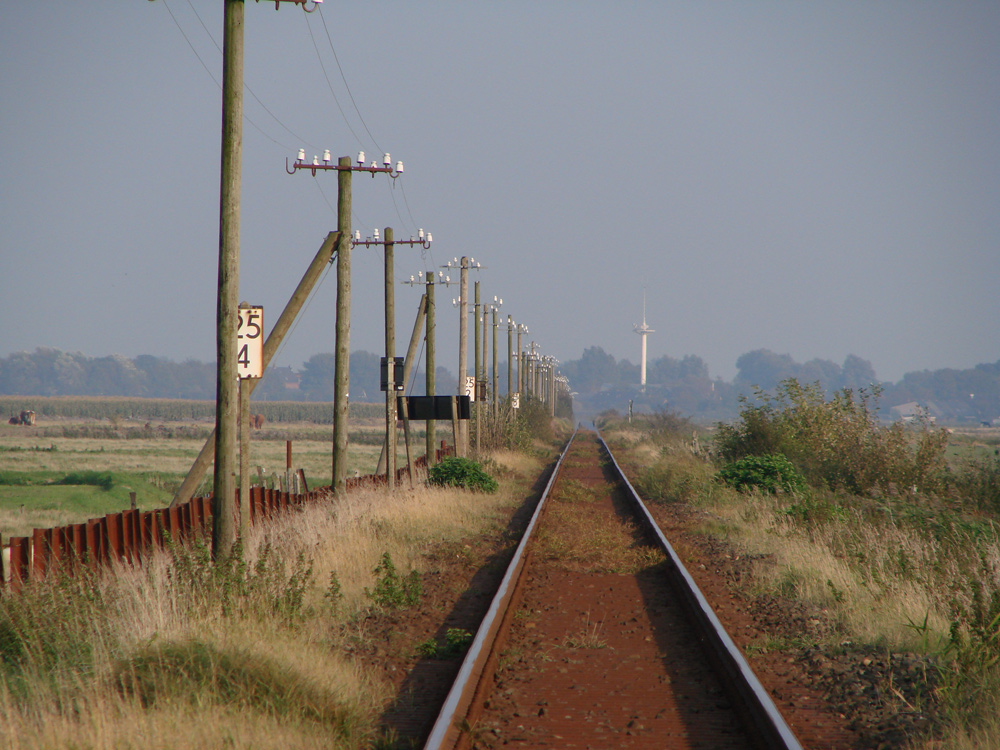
390	354
496	392
486	356
227	377
510	356
520	363
552	386
478	373
462	444
430	375
342	352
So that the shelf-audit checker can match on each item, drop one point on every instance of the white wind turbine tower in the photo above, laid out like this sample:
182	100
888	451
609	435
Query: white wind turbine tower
643	330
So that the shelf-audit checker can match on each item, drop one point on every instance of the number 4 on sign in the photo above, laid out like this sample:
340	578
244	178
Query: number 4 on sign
250	342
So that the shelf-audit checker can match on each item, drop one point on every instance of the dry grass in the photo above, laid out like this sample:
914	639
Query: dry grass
516	463
581	536
590	635
349	538
963	738
805	565
145	614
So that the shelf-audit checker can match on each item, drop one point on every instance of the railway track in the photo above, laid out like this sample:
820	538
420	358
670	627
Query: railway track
598	637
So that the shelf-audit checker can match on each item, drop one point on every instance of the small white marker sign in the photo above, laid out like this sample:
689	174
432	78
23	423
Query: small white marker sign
250	342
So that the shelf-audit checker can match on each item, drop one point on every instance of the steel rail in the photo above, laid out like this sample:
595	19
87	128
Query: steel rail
771	726
446	732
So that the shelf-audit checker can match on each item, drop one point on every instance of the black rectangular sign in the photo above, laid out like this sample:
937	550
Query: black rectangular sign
397	373
434	407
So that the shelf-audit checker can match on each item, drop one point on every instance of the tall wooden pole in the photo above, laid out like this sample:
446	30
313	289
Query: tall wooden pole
390	354
486	354
342	352
430	374
552	388
510	355
496	394
227	376
463	349
478	372
520	364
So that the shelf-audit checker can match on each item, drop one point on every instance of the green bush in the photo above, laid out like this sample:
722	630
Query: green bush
836	443
455	471
767	473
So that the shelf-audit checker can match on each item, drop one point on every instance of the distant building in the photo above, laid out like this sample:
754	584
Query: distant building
911	411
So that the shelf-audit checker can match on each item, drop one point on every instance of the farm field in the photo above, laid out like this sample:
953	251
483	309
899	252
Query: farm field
66	470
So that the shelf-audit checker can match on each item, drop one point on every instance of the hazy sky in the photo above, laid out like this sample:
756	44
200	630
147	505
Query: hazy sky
818	179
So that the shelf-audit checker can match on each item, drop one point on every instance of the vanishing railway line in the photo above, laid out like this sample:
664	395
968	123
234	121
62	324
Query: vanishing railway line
598	637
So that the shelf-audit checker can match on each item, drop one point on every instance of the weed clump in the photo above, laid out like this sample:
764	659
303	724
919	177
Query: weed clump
455	641
230	585
455	471
391	590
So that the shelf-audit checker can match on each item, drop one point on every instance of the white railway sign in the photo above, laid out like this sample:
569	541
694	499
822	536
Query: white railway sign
250	342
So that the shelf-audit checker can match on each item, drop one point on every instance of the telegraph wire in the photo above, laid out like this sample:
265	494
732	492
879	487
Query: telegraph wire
392	193
350	94
344	78
328	83
391	186
207	69
219	85
402	187
333	211
250	91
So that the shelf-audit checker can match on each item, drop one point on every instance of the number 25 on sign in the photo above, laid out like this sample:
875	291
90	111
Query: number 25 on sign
250	342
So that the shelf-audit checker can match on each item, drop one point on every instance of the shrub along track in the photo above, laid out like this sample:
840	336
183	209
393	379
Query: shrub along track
828	701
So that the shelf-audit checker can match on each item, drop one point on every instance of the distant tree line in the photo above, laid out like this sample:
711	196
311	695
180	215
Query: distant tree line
684	385
598	380
50	372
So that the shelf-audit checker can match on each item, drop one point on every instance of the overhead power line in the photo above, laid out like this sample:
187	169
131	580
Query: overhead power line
344	79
